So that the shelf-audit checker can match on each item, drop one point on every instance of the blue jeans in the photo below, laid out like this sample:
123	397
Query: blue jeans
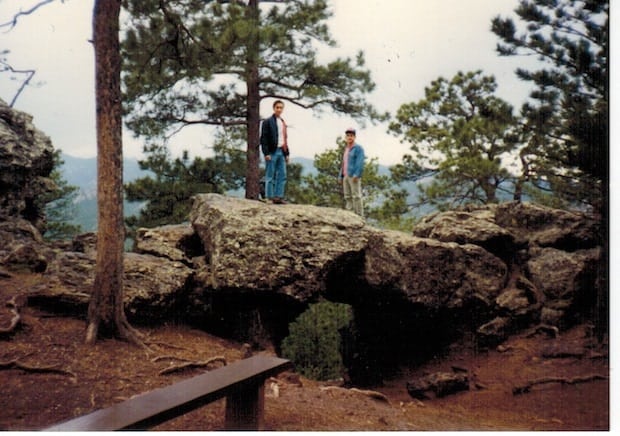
275	175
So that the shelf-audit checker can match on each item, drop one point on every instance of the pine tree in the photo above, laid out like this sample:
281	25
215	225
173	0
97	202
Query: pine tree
60	205
106	314
567	117
168	189
314	341
211	63
460	132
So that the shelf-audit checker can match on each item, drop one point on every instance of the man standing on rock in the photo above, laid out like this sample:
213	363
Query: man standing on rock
351	173
273	141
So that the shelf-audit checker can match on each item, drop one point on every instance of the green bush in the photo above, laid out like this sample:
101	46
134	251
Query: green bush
313	343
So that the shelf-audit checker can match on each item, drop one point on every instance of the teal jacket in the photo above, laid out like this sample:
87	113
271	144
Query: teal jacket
355	165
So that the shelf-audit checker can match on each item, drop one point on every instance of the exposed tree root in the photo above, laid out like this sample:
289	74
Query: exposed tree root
91	332
16	364
168	357
165	344
197	364
568	381
124	332
133	336
16	317
372	394
5	274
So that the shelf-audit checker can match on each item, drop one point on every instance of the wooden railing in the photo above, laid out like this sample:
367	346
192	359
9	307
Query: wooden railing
242	383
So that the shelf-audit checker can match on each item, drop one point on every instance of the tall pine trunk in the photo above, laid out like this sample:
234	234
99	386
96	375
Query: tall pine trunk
106	314
252	180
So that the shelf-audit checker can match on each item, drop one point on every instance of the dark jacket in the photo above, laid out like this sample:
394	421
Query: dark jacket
269	136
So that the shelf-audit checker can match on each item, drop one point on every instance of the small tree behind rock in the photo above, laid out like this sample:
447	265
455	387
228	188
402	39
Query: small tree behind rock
314	340
60	205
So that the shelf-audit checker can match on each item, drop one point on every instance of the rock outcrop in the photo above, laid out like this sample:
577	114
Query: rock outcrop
553	257
438	385
26	161
246	269
306	252
251	245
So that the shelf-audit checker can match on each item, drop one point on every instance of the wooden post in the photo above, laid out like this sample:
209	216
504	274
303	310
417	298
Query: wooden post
245	408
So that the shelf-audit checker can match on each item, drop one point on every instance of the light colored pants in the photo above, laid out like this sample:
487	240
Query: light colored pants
352	189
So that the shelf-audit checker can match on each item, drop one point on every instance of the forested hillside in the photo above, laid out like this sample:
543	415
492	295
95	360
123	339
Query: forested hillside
82	172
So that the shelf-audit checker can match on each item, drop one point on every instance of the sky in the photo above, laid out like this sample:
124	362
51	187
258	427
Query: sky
407	44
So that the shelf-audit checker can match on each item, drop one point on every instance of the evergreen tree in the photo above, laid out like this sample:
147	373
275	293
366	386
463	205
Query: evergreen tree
323	188
383	202
168	191
314	344
106	313
460	132
567	117
60	205
393	213
212	62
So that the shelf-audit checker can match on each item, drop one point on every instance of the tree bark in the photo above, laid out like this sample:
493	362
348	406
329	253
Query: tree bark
252	181
106	314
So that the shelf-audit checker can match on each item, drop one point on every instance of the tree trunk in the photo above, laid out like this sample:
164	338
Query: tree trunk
252	180
106	312
522	179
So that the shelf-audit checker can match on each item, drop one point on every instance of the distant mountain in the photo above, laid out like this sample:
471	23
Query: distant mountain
82	172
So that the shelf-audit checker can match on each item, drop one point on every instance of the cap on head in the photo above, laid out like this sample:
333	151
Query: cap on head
350	130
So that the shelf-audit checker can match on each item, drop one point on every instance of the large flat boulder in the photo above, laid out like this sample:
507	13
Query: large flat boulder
475	226
287	249
307	251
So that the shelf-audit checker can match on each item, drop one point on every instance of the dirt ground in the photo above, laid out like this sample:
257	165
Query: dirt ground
48	375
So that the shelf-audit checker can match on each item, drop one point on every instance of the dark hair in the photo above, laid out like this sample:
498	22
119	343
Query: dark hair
277	102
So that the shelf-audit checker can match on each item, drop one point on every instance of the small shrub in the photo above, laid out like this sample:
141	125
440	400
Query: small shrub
314	339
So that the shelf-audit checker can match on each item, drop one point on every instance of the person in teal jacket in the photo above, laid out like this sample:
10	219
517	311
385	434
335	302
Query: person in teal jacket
351	173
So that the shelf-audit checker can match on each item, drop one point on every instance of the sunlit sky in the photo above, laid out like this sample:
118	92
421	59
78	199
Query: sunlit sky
407	44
